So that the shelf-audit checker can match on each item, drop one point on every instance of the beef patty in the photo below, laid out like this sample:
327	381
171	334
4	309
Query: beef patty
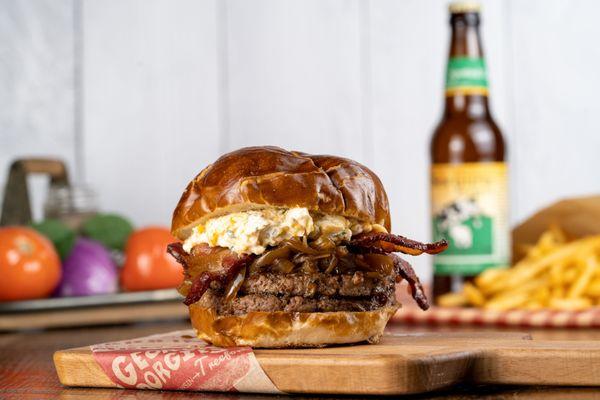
310	285
295	292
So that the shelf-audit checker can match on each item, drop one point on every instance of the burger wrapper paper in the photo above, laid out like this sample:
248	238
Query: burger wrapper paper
180	361
577	217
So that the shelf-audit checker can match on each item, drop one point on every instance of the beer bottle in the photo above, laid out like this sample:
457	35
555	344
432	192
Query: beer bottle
469	205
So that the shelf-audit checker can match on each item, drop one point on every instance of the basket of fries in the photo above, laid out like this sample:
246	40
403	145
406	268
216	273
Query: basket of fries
555	280
555	274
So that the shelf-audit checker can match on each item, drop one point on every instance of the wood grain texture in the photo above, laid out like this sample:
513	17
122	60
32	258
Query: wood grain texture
400	364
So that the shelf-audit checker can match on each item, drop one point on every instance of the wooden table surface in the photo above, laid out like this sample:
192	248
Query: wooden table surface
27	370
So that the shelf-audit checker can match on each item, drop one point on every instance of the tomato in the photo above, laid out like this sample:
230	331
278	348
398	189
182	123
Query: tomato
29	265
147	264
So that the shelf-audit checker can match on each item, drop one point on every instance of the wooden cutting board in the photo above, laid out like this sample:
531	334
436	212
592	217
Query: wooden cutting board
400	363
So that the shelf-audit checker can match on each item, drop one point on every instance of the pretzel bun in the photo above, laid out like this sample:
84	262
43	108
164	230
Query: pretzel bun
259	177
289	329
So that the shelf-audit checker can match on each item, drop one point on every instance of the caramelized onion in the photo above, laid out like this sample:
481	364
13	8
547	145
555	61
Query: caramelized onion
232	265
380	263
345	265
301	247
207	263
374	275
342	251
299	258
282	265
234	285
323	243
361	263
308	267
269	258
333	262
185	286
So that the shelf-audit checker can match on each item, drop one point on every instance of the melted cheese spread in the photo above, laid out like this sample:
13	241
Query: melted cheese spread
253	231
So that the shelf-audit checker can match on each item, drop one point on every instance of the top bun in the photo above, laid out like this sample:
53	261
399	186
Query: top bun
255	177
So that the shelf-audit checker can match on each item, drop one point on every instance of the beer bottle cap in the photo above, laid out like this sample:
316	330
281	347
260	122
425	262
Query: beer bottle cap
460	7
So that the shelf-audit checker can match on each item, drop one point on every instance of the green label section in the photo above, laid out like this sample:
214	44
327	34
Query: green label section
470	235
466	72
473	236
465	269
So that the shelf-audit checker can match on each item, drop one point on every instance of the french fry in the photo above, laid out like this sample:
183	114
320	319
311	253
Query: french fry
542	295
515	297
575	304
489	277
559	234
527	287
557	292
452	300
571	273
494	288
534	305
535	253
503	303
593	289
547	242
473	295
555	274
584	278
526	270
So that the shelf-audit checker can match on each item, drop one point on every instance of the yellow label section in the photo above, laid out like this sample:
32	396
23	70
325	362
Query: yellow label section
467	91
470	210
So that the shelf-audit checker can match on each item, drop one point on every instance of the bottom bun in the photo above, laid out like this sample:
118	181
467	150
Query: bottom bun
289	329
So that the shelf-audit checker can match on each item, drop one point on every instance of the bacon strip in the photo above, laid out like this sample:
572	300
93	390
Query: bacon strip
405	270
383	243
232	264
177	252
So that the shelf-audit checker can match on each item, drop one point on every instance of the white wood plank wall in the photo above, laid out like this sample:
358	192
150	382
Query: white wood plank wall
151	110
138	95
37	87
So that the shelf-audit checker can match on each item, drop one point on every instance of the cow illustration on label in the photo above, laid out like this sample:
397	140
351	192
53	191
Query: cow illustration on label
465	226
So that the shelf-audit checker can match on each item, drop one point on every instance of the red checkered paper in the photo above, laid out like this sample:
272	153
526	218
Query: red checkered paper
181	361
523	318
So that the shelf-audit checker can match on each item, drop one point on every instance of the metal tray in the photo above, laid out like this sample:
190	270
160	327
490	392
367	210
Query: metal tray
59	303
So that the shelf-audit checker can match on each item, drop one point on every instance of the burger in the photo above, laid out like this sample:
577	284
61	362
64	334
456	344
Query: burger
287	249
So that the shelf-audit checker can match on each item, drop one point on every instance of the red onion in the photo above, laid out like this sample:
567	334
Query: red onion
88	270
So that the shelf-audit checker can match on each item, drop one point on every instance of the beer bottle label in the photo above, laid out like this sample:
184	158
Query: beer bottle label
469	209
466	76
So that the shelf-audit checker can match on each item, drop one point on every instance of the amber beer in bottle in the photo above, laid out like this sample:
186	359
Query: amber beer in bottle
469	205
